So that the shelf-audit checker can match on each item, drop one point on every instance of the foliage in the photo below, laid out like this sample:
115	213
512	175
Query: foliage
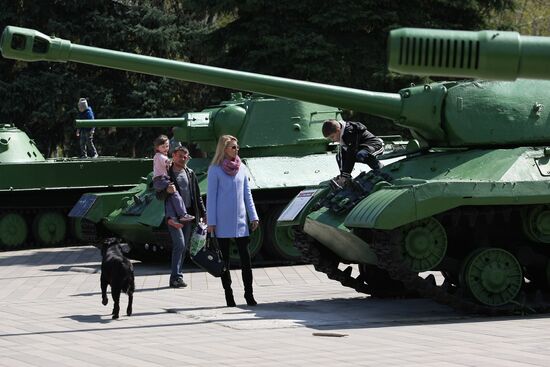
40	98
528	17
340	42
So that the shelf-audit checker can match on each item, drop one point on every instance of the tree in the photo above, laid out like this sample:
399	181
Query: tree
40	98
340	42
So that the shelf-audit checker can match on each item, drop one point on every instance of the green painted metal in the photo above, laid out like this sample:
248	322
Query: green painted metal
16	146
265	126
329	230
493	276
13	230
446	180
486	54
279	240
536	223
49	228
166	122
479	148
418	108
56	184
424	245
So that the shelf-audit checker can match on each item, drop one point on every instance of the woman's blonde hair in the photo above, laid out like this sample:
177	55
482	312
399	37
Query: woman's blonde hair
220	148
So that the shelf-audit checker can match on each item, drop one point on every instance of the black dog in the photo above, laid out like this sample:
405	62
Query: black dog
118	272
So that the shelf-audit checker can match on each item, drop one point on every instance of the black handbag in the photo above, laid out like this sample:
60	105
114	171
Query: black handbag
209	258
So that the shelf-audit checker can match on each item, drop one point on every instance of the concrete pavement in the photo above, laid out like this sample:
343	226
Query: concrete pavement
51	314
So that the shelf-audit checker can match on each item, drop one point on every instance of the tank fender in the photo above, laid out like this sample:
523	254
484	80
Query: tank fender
383	209
393	207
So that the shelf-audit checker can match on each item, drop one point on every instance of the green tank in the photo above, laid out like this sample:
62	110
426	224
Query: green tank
470	200
37	193
281	144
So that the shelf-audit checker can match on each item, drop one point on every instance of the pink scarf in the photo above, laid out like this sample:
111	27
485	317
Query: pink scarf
231	166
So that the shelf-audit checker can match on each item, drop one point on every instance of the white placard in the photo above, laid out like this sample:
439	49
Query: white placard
296	205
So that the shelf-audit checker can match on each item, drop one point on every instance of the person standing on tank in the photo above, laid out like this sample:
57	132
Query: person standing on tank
357	144
86	134
230	208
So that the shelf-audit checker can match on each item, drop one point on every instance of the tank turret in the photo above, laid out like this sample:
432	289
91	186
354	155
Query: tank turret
265	126
16	146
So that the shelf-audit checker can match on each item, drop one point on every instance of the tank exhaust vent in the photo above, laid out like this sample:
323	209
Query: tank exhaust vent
497	55
438	53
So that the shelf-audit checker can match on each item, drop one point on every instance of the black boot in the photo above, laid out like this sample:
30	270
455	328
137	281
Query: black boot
229	299
250	299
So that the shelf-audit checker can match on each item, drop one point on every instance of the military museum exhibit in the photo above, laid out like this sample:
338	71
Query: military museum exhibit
468	198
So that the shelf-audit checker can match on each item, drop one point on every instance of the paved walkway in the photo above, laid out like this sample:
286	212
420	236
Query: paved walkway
51	315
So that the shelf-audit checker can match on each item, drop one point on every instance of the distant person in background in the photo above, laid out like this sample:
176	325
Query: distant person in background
86	134
230	207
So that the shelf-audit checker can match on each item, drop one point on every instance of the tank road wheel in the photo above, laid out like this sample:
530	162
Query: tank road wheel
536	223
424	245
13	230
279	241
254	246
493	276
49	228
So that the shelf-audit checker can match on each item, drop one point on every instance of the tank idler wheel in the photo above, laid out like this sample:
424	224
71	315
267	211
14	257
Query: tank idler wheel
279	240
254	246
536	223
424	244
49	228
13	230
493	276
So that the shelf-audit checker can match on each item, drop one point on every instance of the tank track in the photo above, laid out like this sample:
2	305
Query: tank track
390	259
387	250
327	262
30	242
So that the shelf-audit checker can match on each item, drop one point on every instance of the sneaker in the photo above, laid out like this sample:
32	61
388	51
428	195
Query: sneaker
186	218
95	155
178	284
173	223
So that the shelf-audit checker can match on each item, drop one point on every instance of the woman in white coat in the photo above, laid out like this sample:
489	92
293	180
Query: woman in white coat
230	207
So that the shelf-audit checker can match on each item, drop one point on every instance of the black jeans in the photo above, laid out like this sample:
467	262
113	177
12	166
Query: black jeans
246	266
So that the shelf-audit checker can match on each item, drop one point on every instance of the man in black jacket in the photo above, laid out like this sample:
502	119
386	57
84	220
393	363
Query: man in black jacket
185	181
357	144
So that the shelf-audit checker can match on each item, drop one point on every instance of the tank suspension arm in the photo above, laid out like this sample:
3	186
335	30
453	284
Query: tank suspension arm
30	45
497	55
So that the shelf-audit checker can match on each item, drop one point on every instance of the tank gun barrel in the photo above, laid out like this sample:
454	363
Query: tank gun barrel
137	122
497	55
30	45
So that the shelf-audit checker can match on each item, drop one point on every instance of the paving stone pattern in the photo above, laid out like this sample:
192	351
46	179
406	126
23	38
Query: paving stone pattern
51	315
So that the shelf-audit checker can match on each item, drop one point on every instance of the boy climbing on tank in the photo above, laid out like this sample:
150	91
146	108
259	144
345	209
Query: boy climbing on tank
357	144
161	180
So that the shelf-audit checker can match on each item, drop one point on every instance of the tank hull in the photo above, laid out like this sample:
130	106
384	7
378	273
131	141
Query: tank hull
36	196
478	216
